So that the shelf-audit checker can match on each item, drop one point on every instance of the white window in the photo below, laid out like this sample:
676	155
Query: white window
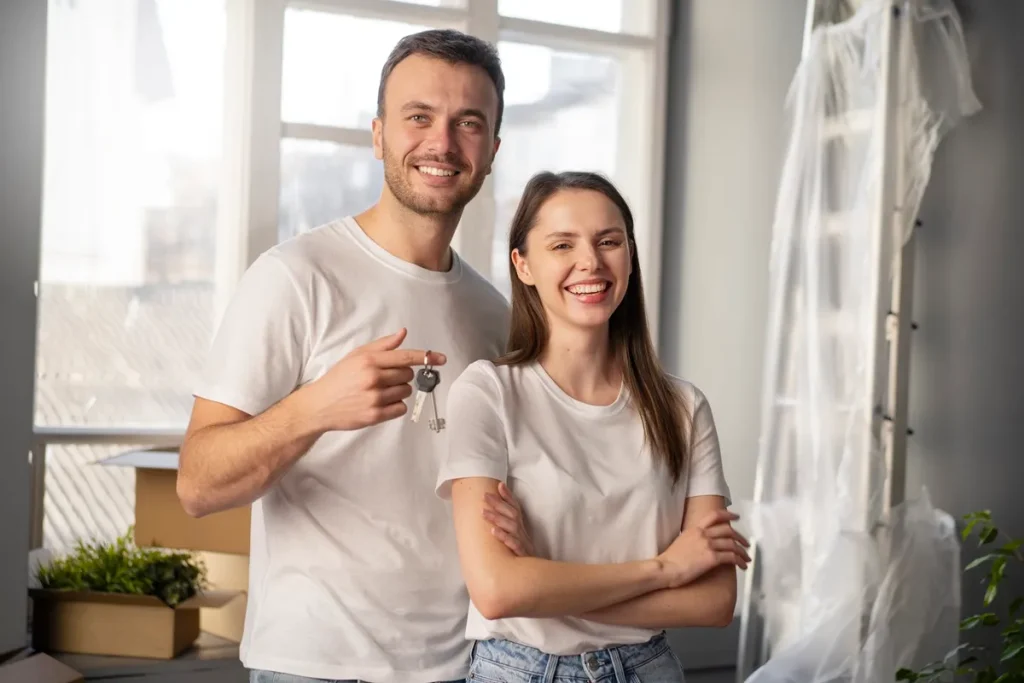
185	137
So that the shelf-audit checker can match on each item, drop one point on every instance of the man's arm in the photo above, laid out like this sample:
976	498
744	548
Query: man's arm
708	601
230	458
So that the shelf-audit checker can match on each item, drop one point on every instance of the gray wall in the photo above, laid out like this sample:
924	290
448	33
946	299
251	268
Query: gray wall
22	59
730	67
967	369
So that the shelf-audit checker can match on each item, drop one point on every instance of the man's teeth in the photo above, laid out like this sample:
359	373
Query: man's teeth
432	170
589	289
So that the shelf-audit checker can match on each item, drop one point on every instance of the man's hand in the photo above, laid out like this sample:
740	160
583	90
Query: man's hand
366	387
700	548
506	516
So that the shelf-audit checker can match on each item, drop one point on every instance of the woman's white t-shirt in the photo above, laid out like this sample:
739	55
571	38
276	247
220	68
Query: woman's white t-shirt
589	488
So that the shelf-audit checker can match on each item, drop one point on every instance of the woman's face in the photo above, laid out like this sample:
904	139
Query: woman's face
577	257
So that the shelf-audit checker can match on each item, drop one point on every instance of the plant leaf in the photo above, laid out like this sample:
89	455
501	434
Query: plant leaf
1015	606
985	619
988	534
990	593
1012	651
980	561
990	620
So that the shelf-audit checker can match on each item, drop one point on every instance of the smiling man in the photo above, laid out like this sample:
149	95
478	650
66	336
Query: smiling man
303	409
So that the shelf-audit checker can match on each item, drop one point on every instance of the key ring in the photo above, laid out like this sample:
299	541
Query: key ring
426	359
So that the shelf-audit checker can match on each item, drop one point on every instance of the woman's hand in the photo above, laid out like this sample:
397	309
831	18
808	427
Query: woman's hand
506	517
700	548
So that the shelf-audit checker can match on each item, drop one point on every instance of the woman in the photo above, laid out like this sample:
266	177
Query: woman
616	463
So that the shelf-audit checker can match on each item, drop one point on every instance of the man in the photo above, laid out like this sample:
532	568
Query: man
354	570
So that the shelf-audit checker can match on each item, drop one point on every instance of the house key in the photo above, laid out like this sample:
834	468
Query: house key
426	380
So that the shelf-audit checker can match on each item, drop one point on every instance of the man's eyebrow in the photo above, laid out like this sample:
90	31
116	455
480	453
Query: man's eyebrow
423	106
416	106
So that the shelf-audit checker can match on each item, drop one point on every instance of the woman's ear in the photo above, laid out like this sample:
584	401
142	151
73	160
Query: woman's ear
522	267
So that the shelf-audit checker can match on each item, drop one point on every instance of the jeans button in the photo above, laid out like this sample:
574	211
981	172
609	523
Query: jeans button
592	662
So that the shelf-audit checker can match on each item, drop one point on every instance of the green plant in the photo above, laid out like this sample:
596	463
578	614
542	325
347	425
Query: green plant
1010	667
120	567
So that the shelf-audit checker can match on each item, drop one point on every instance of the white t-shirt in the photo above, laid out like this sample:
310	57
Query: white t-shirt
590	491
354	570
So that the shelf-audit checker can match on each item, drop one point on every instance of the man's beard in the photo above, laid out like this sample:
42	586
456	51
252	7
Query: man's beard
446	205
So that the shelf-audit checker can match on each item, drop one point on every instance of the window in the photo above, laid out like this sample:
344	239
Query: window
185	137
132	169
131	174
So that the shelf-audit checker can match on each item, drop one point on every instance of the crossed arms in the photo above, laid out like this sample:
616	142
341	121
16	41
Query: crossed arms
692	583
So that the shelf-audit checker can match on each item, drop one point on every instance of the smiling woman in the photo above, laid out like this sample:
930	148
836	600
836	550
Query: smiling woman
613	524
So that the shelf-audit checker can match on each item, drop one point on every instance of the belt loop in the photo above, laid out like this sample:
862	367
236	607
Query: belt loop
549	670
620	673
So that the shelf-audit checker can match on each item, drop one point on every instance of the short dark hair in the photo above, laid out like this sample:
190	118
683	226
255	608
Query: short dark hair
454	47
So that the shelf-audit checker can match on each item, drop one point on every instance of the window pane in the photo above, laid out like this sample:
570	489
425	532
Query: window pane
561	113
332	66
133	142
615	16
323	181
83	500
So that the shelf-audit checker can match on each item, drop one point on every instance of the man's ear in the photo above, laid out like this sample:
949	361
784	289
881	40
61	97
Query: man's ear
522	268
494	153
378	138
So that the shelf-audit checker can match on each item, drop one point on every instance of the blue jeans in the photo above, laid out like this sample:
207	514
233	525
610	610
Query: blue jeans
502	661
260	676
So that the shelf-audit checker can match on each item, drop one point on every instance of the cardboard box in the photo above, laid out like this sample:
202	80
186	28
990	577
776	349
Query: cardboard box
117	624
160	520
39	668
225	572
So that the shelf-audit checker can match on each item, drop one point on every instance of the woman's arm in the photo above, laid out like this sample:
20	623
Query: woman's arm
503	585
708	601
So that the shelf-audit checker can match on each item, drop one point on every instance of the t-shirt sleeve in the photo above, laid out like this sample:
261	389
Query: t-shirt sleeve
476	437
260	349
706	477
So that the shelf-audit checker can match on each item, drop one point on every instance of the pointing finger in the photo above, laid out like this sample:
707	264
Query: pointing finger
397	358
392	341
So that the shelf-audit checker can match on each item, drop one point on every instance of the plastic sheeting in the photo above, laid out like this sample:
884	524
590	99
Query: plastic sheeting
849	591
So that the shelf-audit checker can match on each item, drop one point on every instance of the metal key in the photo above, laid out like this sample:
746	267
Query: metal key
425	381
437	424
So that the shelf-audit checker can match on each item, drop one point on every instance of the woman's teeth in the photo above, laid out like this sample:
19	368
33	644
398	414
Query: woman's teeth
588	289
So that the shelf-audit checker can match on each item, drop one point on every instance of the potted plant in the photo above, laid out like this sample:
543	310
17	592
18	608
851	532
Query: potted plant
119	599
1007	664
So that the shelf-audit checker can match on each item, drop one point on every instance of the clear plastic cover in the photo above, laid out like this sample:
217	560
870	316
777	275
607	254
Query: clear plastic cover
850	591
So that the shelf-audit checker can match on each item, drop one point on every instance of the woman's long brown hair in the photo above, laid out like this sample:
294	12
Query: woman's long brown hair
667	421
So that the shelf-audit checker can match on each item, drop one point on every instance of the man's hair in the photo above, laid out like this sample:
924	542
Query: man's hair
454	47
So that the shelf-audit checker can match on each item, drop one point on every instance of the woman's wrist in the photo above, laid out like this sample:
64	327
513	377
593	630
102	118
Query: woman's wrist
663	574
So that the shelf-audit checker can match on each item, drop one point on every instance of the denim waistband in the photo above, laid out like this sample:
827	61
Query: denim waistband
588	666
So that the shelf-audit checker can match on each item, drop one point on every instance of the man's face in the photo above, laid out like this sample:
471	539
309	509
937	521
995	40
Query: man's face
436	137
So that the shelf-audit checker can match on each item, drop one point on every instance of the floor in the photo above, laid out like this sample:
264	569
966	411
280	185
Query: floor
215	660
210	660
